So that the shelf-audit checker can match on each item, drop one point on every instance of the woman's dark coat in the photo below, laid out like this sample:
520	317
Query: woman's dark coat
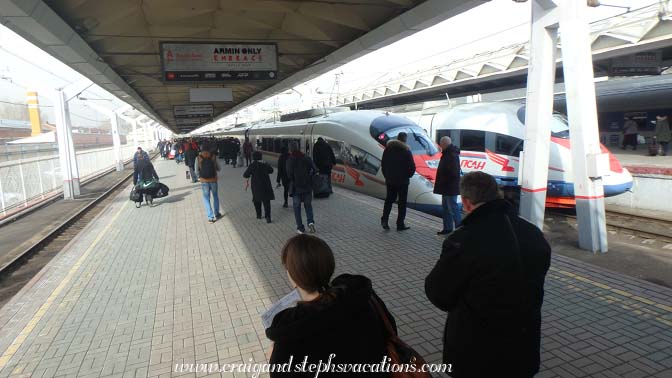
448	173
282	170
490	280
300	168
262	190
348	327
144	171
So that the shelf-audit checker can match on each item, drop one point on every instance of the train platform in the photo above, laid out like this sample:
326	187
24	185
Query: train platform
141	290
640	162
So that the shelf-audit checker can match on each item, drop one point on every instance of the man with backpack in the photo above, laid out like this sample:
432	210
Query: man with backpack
300	170
207	173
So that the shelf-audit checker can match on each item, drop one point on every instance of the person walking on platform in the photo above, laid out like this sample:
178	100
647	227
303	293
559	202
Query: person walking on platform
448	185
324	158
398	167
663	134
247	151
490	279
630	133
235	151
145	174
332	321
190	157
207	173
282	174
300	169
262	190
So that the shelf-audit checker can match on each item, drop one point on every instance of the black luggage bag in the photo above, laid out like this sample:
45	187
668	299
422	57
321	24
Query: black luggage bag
654	147
162	191
320	186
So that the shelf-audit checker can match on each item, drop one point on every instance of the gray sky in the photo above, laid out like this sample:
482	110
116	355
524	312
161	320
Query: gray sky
495	24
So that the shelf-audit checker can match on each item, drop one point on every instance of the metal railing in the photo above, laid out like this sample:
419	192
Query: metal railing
24	183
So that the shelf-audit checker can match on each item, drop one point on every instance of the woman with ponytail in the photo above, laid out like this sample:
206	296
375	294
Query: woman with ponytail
333	317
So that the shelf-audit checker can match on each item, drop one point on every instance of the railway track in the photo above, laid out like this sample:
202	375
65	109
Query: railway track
640	226
26	265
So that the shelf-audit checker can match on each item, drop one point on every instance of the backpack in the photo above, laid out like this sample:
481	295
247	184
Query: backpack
207	169
301	174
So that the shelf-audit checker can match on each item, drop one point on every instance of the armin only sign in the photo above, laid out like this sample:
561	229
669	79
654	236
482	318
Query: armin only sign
218	62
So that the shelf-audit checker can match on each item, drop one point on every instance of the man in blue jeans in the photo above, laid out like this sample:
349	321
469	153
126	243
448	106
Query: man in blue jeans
207	173
300	170
448	185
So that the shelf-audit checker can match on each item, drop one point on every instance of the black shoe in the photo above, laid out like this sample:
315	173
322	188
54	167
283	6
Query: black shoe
258	216
218	215
285	205
383	223
268	220
444	232
403	227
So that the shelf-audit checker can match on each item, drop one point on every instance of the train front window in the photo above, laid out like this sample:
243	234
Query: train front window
559	125
416	139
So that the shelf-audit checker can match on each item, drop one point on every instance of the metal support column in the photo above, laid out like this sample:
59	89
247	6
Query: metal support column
539	112
116	142
589	163
66	148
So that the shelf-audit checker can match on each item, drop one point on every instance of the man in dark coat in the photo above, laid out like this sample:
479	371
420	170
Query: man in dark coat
324	158
262	190
282	173
300	169
398	167
448	185
490	279
190	156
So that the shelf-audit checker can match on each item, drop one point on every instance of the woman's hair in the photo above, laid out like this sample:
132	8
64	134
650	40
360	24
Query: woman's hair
256	155
310	263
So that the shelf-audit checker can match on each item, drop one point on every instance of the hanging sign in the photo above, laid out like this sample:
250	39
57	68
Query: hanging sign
218	62
193	111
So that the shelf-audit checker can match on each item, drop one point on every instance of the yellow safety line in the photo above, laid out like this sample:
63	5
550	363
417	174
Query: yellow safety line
619	292
18	341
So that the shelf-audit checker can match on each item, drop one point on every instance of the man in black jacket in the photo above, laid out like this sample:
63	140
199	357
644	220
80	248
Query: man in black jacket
490	279
398	167
448	185
300	169
324	159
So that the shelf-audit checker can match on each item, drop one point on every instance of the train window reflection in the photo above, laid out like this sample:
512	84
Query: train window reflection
417	140
472	140
337	147
508	145
359	159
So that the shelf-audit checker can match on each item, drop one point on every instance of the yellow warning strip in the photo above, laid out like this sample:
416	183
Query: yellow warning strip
619	292
18	341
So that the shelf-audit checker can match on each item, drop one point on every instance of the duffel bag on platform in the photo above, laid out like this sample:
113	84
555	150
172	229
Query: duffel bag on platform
147	185
162	191
135	196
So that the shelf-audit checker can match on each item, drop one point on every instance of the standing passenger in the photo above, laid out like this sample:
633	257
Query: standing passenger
299	170
332	318
448	185
247	151
630	134
207	172
262	190
398	167
663	134
282	174
490	280
324	158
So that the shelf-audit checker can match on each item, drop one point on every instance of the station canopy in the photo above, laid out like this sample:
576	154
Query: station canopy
187	62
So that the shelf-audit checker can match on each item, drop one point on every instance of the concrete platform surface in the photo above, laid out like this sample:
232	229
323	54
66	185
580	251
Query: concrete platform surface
140	290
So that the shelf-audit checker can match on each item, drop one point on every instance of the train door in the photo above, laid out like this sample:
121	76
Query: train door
308	141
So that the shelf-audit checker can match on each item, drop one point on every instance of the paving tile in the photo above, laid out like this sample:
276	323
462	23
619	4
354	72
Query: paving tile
164	287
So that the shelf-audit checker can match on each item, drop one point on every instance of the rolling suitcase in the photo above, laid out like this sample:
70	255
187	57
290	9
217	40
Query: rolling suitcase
320	186
654	147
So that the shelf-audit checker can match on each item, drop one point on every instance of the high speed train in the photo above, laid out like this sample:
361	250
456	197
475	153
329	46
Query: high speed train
490	136
358	139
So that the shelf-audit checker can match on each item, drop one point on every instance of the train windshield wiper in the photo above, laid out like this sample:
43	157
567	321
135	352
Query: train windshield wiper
422	142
